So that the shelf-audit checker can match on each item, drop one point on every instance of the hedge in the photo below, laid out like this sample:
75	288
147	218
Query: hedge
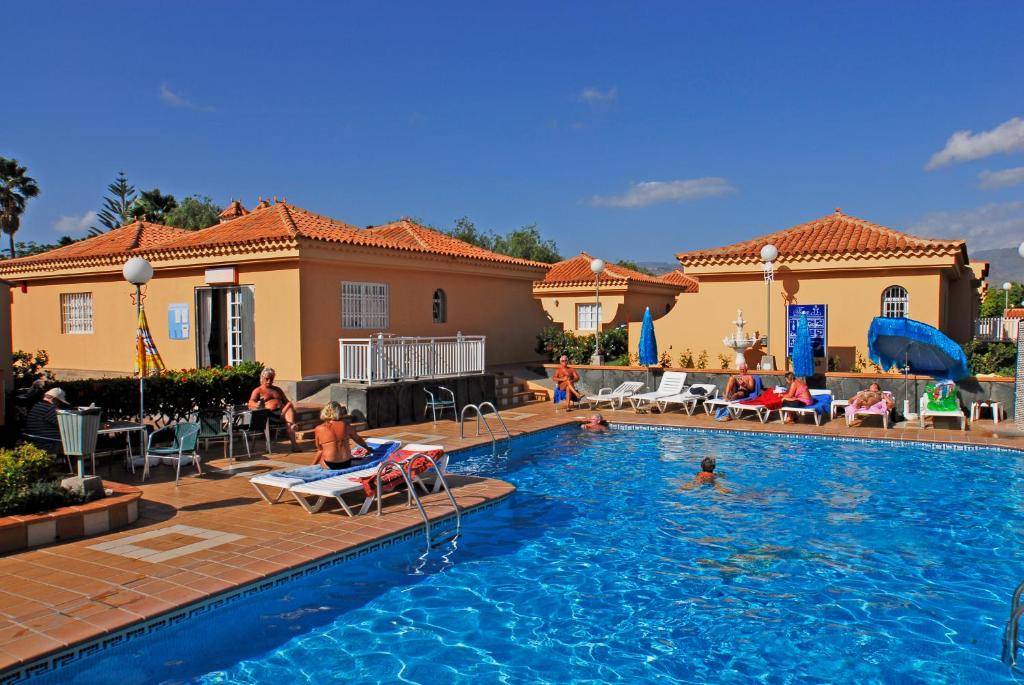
28	482
172	394
554	342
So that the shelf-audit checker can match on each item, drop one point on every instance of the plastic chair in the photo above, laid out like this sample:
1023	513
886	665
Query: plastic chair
437	402
213	425
254	423
185	445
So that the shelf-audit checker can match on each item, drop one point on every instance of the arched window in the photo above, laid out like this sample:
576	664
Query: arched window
895	301
440	307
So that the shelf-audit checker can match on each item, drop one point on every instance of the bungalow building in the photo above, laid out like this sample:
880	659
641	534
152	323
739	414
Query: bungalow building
278	284
567	293
856	269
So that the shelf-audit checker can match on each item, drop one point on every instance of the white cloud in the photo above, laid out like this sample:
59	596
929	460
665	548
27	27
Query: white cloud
984	228
654	192
964	146
596	96
1002	179
69	225
169	97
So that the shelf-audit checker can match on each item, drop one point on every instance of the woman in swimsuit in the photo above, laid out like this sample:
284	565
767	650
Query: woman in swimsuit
797	395
269	396
332	436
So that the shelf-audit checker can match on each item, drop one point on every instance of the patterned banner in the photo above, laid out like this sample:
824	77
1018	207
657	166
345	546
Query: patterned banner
147	359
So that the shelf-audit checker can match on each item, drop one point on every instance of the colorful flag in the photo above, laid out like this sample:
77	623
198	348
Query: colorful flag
147	359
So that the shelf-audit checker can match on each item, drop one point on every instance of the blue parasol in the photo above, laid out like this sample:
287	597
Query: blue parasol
915	347
648	351
803	352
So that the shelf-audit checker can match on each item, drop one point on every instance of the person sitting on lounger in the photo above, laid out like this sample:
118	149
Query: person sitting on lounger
269	396
565	379
740	386
332	439
872	399
797	395
595	424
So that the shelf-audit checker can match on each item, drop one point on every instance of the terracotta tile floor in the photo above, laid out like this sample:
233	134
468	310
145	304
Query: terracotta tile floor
213	533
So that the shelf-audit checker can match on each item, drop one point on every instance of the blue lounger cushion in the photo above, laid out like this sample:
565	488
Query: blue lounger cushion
308	474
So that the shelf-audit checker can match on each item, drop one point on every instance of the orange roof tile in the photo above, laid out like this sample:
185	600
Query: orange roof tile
137	236
409	235
833	235
576	271
677	277
1016	313
233	211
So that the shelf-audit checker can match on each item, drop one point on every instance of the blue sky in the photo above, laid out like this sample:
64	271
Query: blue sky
630	130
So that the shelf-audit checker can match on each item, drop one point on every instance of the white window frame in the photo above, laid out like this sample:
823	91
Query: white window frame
76	313
895	302
365	305
588	316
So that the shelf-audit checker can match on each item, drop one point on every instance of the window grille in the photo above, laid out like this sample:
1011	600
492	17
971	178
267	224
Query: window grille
440	307
895	301
76	313
587	317
364	305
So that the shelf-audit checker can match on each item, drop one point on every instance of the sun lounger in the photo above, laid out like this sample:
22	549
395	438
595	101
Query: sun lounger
942	400
312	496
615	397
761	403
672	383
280	481
822	405
713	405
698	392
880	409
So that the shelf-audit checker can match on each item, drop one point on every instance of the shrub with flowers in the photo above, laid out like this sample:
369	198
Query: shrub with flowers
554	342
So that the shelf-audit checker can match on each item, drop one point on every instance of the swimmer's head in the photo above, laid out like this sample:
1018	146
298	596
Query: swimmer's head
707	464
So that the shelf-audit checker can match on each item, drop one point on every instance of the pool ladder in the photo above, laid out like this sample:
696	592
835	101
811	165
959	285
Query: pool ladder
404	467
1012	632
480	415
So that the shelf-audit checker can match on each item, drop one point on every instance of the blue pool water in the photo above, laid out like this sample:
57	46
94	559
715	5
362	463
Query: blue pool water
824	561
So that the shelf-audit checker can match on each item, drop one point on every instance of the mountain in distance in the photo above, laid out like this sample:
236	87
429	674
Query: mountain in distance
659	268
1004	264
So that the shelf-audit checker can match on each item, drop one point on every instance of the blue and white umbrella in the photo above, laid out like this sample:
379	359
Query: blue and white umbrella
648	351
915	347
803	351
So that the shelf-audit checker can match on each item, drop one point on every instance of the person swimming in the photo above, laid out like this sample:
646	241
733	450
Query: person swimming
595	424
707	476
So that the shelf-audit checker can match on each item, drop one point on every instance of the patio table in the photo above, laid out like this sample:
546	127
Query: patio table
126	428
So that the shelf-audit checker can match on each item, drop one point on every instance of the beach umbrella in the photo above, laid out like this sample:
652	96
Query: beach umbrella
915	347
803	352
147	358
648	351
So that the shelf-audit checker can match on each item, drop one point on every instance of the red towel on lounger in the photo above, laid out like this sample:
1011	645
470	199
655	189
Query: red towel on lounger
392	479
768	399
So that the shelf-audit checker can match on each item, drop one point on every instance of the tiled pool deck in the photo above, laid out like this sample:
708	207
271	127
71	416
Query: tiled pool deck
212	538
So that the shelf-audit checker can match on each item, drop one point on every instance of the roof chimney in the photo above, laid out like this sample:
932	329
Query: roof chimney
838	211
263	204
233	211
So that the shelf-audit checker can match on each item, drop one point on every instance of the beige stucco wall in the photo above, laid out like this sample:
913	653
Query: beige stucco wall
6	349
700	321
482	299
617	307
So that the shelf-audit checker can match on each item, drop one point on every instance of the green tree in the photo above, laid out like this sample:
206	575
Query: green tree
117	206
527	243
31	247
16	188
153	205
996	299
466	231
193	212
629	264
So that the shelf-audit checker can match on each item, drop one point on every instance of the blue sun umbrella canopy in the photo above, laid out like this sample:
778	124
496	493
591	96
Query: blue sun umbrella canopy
803	351
648	351
923	349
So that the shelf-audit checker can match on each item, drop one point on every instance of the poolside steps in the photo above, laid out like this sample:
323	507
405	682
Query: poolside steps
512	391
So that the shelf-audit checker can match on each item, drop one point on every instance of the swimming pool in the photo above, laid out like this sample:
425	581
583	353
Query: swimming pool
826	560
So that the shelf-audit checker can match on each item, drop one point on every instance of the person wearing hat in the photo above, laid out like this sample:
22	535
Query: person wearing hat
41	424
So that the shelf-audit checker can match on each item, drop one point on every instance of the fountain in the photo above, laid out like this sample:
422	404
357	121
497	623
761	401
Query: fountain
739	342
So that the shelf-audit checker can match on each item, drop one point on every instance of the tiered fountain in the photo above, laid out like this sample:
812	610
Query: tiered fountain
739	343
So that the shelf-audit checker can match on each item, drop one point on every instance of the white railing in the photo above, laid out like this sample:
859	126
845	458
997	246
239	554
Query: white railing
386	359
996	329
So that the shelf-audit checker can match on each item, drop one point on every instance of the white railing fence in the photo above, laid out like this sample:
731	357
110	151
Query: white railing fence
387	359
996	329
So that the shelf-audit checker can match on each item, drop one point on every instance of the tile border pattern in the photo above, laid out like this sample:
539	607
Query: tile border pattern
70	655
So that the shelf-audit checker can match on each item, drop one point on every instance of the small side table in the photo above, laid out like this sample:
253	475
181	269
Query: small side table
836	404
996	407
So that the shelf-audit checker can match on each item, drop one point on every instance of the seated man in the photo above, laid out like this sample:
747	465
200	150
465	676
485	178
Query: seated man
269	396
872	399
42	420
566	378
740	386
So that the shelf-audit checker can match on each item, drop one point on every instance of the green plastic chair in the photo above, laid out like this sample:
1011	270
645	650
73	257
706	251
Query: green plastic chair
185	445
213	425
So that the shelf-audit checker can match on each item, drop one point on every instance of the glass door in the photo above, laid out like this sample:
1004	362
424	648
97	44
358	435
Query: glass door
225	329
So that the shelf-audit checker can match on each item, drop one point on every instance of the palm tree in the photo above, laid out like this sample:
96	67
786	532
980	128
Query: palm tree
15	190
153	205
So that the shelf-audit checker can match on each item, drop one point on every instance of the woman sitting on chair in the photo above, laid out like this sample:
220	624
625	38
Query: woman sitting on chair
269	396
797	395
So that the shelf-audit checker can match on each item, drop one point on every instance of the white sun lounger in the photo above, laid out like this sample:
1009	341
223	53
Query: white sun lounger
672	383
737	407
863	411
313	496
813	410
689	398
615	397
272	486
931	413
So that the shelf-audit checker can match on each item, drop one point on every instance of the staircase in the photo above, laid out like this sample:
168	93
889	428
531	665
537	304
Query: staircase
512	391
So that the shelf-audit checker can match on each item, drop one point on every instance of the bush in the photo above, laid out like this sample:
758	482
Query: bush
172	394
998	358
554	342
28	482
29	368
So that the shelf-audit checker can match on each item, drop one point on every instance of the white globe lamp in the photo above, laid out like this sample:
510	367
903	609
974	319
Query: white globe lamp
769	253
137	271
597	266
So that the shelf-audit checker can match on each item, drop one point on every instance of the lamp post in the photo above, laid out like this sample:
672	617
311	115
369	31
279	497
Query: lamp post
597	266
138	272
769	253
1006	296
